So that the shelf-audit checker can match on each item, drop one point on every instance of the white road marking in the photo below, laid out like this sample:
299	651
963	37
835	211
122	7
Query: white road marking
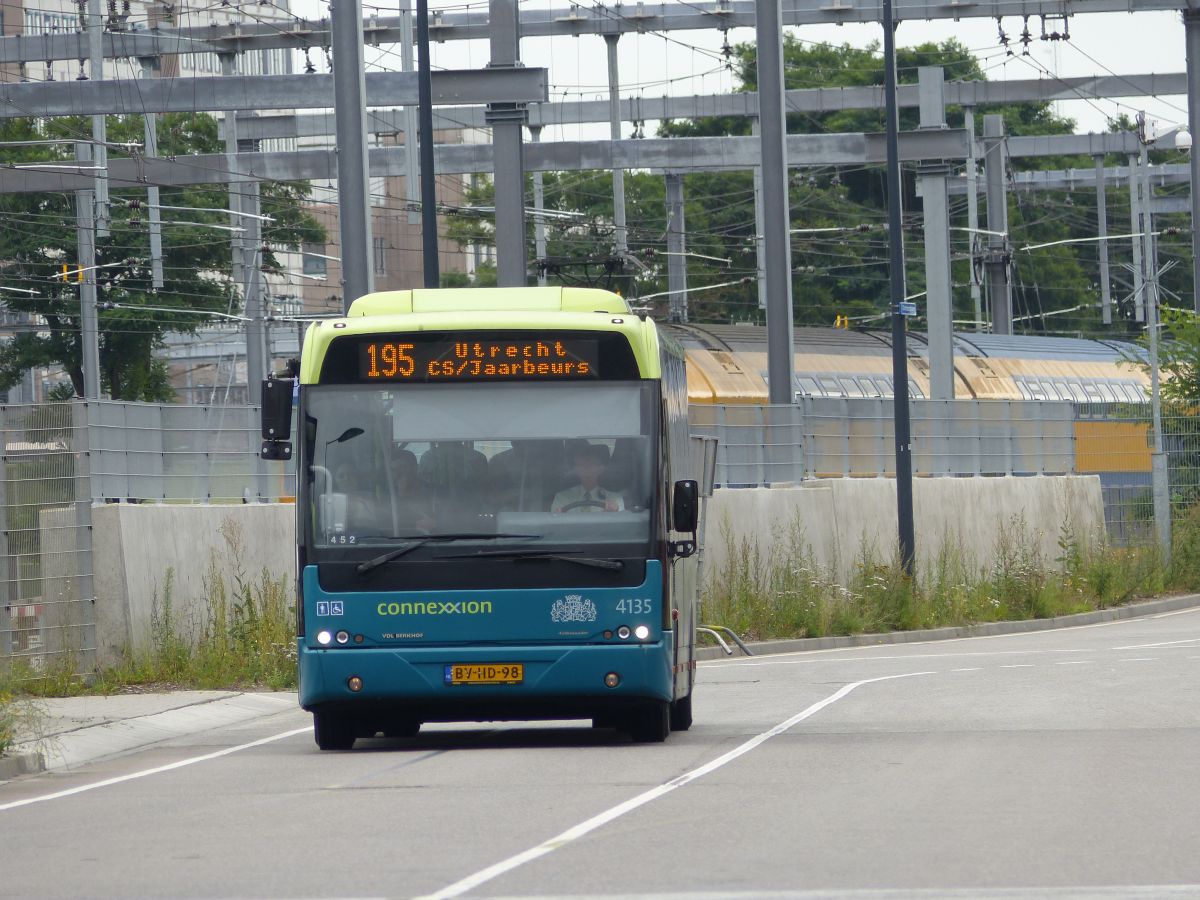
483	876
57	795
973	669
1019	666
1139	659
1178	612
789	659
1160	644
1075	662
819	655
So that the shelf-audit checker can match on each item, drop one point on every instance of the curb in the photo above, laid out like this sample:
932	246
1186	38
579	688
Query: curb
796	645
29	763
89	743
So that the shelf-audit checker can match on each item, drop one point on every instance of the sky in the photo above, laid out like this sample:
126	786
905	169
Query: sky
690	62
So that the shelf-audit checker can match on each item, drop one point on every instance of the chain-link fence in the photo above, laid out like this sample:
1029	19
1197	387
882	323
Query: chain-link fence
831	438
826	437
60	459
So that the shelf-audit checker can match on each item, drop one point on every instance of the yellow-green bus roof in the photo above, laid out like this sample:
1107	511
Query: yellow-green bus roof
485	309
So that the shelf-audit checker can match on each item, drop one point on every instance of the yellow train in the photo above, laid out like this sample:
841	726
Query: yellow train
727	365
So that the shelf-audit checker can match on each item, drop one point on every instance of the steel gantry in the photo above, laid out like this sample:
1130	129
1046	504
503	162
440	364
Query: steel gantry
568	20
676	155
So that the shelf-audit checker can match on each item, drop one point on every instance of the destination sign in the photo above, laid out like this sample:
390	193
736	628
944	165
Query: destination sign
479	359
435	357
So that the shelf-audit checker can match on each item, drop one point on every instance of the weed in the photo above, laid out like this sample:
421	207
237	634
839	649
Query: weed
244	637
783	592
20	720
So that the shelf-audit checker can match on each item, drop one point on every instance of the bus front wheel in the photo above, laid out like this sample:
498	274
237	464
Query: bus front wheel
651	723
681	714
333	732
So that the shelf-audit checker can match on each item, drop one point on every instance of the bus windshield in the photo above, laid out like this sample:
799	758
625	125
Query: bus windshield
528	466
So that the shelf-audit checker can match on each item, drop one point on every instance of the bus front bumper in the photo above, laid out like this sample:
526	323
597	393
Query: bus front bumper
566	682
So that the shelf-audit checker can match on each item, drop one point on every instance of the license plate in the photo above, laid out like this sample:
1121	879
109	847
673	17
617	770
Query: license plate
498	673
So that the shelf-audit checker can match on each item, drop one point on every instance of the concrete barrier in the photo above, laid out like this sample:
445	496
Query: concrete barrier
841	519
134	546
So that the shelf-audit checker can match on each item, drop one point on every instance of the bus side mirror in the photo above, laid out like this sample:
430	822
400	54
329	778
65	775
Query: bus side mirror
685	506
277	418
685	516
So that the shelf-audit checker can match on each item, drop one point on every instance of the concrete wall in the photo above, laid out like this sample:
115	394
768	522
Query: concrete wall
841	518
134	545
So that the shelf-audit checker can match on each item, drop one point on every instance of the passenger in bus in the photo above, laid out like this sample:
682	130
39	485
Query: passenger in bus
588	463
526	477
412	503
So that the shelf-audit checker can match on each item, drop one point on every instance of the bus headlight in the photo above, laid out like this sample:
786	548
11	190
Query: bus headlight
641	632
342	637
323	638
623	632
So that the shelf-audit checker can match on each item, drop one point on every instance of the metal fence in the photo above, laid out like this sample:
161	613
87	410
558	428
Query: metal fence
60	459
827	437
830	437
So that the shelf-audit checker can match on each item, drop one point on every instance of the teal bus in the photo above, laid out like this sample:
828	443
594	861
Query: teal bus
496	513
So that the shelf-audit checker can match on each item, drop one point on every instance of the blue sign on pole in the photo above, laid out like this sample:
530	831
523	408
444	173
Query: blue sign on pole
907	309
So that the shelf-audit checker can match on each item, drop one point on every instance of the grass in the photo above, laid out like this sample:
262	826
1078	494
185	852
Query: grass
20	720
244	638
783	592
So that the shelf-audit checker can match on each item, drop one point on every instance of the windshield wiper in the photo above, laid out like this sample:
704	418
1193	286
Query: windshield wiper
420	540
593	562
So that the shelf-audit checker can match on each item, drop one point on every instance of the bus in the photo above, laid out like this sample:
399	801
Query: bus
496	513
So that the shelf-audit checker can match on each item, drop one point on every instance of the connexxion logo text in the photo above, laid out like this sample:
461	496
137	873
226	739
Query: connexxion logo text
436	608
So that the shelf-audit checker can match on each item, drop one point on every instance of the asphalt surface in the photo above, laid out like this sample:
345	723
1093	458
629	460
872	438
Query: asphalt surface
1063	763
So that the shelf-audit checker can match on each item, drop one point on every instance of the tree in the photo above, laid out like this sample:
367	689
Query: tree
1178	356
40	238
839	250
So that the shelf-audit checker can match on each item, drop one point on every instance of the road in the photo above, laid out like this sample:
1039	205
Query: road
1062	762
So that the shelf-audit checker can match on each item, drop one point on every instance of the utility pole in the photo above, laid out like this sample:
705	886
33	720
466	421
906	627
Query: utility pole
85	231
153	212
776	212
904	488
411	147
1135	229
996	261
539	206
507	121
760	252
95	33
430	264
973	213
257	356
676	249
1102	233
1160	469
354	187
939	299
1191	25
236	241
246	245
620	234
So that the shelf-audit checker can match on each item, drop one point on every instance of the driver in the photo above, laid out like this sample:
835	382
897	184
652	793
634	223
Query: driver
589	461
